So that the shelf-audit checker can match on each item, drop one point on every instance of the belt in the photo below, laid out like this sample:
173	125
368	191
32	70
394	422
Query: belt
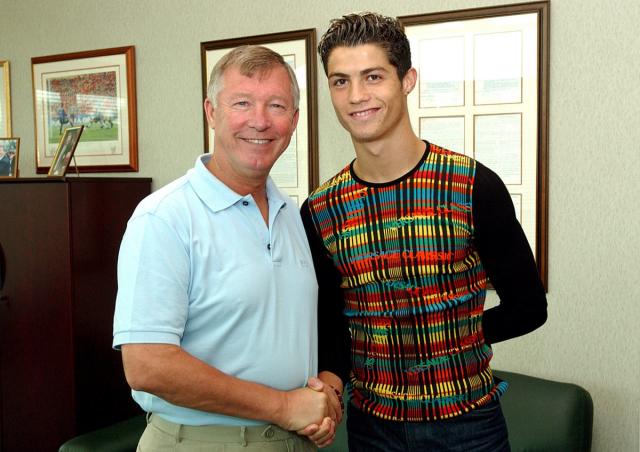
221	433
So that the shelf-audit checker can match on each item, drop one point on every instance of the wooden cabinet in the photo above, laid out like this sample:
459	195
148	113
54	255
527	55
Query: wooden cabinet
59	376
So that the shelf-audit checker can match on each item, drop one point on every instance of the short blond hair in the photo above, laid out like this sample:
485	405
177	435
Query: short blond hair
250	60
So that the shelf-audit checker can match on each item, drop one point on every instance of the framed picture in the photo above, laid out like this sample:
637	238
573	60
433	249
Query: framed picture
9	153
483	90
296	171
95	89
5	100
65	151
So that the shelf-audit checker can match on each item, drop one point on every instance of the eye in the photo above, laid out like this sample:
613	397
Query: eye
339	82
373	77
278	106
241	104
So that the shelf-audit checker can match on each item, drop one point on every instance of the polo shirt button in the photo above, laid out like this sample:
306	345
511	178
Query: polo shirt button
245	203
268	246
269	433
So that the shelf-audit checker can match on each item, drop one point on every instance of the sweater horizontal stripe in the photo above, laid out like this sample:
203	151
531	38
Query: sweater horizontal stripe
414	288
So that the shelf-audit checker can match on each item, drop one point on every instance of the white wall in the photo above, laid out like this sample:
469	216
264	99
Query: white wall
591	337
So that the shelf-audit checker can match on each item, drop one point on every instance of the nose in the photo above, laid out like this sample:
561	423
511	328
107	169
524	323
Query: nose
358	93
260	119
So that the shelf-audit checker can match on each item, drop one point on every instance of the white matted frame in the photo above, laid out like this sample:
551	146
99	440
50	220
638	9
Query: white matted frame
483	82
296	171
96	89
5	100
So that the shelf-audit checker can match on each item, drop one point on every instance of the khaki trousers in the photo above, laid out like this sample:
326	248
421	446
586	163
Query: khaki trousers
161	435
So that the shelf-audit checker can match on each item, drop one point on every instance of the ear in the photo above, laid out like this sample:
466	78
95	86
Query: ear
409	81
294	120
209	111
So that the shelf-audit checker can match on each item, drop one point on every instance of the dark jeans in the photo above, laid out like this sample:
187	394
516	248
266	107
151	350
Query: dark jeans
481	430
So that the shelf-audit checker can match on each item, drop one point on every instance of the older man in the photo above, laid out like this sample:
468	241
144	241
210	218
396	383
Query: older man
216	307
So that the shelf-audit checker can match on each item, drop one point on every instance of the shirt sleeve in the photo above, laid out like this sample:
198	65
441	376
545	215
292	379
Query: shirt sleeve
508	261
334	339
153	284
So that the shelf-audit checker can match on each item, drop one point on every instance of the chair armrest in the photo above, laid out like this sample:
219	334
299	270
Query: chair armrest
120	437
545	415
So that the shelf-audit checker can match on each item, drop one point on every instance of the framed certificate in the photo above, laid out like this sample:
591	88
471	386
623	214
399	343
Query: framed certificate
296	171
483	90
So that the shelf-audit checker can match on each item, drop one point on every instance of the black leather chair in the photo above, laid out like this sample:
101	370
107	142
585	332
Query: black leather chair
542	416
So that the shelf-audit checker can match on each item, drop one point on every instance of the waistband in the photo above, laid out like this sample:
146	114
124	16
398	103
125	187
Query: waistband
221	433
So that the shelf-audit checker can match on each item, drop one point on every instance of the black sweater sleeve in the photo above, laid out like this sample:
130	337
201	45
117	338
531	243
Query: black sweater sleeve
334	339
507	258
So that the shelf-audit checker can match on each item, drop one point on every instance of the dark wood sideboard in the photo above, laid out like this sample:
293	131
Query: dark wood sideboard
59	376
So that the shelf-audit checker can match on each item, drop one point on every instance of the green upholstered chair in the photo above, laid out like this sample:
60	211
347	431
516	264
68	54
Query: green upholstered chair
542	416
546	416
120	437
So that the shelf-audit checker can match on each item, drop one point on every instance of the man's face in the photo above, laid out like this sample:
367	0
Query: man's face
253	121
369	99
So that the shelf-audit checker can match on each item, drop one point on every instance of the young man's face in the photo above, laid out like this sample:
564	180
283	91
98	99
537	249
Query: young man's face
254	120
369	99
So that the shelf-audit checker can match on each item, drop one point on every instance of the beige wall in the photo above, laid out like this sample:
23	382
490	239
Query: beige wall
591	337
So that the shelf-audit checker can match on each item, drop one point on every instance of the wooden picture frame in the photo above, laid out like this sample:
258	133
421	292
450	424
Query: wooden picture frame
296	171
490	67
9	157
65	151
5	100
96	89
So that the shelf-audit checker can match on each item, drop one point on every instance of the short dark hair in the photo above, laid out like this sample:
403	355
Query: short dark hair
368	28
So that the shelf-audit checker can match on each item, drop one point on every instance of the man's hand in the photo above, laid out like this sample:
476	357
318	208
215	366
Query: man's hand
303	407
336	407
323	434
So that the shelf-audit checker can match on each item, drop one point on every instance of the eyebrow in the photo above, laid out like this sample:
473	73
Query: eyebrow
362	72
250	95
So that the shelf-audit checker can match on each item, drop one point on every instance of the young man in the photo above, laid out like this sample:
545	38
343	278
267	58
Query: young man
404	240
216	306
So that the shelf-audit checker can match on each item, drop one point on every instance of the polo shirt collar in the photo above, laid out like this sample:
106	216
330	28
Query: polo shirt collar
217	195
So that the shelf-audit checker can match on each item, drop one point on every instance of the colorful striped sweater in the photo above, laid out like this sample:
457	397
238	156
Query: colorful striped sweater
413	287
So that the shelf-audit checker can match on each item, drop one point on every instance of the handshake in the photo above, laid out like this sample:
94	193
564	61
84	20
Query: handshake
314	411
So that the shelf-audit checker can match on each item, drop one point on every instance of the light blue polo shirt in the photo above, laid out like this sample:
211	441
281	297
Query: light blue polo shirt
199	268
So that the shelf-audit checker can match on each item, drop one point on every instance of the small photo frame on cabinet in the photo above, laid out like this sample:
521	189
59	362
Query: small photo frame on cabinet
296	171
96	89
9	152
64	153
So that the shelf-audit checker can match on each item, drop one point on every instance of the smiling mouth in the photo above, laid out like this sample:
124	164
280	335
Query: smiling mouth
257	140
364	113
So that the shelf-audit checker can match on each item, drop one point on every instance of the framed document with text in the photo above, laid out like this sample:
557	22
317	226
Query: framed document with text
483	91
296	171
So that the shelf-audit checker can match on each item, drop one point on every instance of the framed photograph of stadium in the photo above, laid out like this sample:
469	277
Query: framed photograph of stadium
64	152
483	91
5	100
9	153
296	171
95	89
